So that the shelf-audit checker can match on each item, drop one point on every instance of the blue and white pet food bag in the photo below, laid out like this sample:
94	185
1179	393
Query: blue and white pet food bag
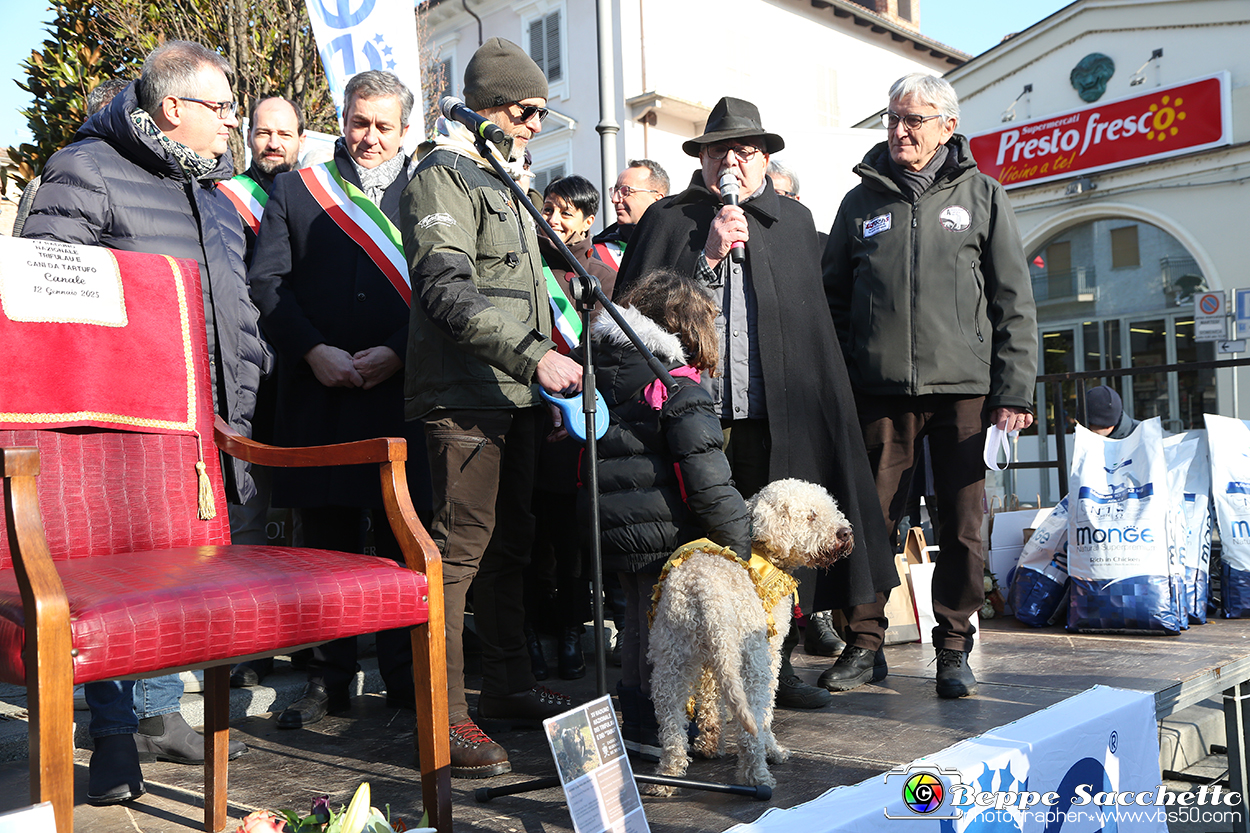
1122	581
1040	580
1229	441
1189	484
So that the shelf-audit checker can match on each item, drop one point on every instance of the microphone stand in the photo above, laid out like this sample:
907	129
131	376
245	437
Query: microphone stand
586	292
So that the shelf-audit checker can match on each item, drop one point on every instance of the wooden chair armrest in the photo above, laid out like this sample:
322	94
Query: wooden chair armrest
380	450
28	545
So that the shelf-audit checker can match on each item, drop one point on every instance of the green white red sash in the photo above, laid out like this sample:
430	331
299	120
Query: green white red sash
363	222
248	197
567	329
611	252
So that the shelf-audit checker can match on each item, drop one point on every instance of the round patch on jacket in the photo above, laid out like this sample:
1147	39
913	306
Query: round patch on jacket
955	218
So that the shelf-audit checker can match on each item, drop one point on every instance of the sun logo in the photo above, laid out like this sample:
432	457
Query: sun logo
1165	119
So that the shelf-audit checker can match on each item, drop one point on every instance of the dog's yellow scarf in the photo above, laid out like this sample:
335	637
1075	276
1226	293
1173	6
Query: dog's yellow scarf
771	584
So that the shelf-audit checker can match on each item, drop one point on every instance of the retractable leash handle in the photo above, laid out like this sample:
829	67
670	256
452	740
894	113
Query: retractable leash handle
575	418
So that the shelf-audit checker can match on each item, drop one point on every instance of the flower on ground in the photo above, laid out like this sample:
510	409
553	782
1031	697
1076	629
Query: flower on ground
262	821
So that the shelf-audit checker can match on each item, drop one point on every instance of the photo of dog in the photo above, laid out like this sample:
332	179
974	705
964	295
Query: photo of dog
718	624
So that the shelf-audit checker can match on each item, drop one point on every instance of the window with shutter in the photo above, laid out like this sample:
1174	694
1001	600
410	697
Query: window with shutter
546	176
544	45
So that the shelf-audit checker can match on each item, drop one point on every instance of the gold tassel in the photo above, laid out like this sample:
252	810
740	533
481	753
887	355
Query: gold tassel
208	509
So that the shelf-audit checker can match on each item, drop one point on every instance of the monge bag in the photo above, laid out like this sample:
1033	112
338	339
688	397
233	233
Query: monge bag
1229	441
1189	484
1041	576
1122	581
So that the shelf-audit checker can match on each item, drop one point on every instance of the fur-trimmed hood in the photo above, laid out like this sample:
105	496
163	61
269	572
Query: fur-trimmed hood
665	345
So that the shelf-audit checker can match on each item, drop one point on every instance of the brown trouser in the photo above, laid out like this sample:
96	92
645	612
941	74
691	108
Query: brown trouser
894	427
482	468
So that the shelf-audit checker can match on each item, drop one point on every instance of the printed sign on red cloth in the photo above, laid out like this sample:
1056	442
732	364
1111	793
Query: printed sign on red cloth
1163	122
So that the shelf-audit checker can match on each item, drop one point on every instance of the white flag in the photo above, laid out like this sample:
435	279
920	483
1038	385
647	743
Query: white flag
356	35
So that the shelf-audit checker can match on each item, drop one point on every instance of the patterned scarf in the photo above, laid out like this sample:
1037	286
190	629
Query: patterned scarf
456	137
192	164
374	181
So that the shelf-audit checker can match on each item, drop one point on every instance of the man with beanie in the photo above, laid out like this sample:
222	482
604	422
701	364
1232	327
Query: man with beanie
1104	414
479	349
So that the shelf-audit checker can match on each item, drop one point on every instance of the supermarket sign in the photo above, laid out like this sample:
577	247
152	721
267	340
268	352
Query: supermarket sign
1167	121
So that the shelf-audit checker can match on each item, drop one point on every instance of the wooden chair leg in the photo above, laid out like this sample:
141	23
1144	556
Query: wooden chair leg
216	745
429	671
51	708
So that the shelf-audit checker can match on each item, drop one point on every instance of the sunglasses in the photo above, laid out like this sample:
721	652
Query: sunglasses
528	111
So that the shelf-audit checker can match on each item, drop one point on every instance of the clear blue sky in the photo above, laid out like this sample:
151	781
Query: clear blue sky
971	26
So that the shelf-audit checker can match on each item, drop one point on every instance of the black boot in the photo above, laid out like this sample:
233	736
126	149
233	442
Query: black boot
855	667
538	662
168	737
954	677
792	692
316	703
113	774
820	638
250	673
629	697
572	665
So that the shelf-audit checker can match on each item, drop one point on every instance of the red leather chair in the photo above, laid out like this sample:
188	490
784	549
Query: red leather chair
115	566
108	573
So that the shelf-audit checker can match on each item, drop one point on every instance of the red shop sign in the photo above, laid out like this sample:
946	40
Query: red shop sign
1167	121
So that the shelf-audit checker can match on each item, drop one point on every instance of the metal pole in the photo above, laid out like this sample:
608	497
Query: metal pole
608	126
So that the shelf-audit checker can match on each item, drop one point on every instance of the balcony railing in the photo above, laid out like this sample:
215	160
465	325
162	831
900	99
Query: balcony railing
1078	284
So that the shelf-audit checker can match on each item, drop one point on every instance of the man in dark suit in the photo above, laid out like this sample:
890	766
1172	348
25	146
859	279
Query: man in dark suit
332	287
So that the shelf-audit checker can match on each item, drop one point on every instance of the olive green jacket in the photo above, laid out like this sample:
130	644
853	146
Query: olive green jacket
481	318
932	296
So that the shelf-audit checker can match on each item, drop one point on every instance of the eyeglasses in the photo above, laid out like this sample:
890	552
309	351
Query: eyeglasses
625	192
745	153
225	110
528	111
784	193
912	121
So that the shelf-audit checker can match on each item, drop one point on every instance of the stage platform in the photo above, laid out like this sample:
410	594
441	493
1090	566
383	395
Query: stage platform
862	734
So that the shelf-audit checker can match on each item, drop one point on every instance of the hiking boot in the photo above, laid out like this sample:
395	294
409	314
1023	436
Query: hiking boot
523	709
793	693
474	755
954	677
855	667
820	638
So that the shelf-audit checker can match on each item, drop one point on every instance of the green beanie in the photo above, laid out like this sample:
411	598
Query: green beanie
500	73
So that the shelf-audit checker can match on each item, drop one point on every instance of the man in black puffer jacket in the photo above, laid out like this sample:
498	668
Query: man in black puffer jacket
141	176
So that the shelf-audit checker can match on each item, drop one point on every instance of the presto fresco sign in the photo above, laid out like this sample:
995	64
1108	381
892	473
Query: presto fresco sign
1166	121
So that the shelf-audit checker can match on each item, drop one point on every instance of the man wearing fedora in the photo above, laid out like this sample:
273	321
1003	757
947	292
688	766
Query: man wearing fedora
785	400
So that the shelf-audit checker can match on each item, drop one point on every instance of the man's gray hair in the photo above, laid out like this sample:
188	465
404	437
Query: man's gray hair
931	90
378	83
657	177
101	94
776	169
173	68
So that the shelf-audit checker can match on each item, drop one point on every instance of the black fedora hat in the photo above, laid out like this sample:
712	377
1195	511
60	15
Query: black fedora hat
733	118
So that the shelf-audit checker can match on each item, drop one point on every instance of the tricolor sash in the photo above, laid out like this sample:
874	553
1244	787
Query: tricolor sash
362	221
567	324
248	197
611	253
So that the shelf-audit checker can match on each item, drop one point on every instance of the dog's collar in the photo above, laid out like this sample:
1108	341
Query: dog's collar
771	583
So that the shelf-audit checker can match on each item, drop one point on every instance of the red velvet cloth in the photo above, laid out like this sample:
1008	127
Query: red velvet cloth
135	613
144	376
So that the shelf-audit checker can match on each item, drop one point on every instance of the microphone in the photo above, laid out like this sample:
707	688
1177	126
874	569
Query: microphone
729	196
456	110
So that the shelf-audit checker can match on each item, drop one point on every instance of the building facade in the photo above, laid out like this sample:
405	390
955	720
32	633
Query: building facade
673	61
1121	129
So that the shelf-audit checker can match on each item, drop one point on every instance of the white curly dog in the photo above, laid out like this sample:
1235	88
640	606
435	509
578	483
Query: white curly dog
717	627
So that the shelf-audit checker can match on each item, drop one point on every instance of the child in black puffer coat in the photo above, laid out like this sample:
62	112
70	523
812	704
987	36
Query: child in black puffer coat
664	480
